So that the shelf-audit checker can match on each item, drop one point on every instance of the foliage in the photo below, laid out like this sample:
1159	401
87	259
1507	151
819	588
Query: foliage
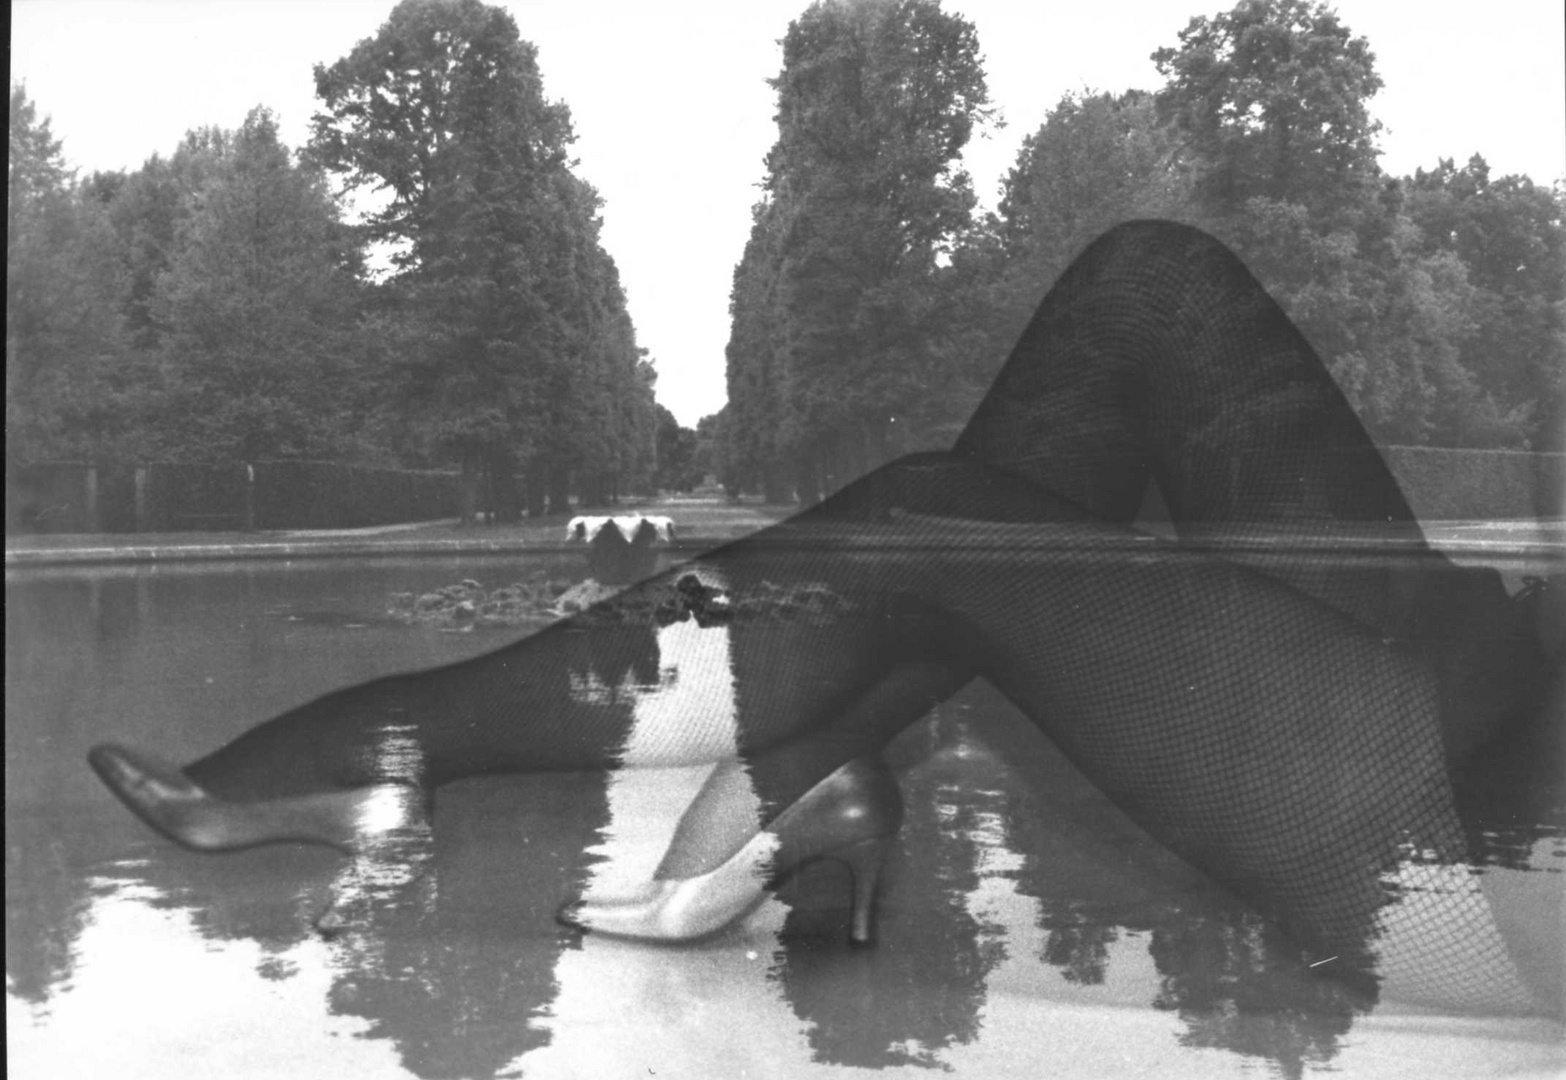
1270	99
754	447
64	348
837	302
1401	286
1510	236
256	355
444	110
508	323
677	466
1097	159
213	306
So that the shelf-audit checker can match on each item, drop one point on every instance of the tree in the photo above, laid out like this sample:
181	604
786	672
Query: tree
514	344
1269	102
599	425
1097	159
1270	99
147	209
63	340
443	110
1510	236
256	310
752	449
678	469
876	100
705	460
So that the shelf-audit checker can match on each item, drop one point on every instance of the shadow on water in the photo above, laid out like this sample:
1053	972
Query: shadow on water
444	944
922	989
437	956
991	804
1236	981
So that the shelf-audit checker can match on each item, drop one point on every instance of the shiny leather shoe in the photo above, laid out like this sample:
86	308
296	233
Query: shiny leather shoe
180	809
852	816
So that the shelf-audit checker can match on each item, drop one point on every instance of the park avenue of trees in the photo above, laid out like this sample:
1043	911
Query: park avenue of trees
214	306
872	306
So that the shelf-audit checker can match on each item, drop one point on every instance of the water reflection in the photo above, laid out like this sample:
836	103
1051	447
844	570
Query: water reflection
1014	881
454	965
920	992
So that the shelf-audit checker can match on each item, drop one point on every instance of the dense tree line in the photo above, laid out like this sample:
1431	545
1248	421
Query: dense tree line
1436	299
214	306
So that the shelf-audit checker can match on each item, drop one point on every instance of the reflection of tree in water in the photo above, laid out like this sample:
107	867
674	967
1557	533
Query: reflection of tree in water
1514	792
49	856
1078	944
921	989
1239	985
46	906
447	950
1236	983
620	658
452	967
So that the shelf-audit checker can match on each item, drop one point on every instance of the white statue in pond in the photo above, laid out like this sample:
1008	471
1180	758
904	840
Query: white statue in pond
621	547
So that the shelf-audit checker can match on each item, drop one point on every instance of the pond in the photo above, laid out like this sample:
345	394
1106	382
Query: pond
1026	924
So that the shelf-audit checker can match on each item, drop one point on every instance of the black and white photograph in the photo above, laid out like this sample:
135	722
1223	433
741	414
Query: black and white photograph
816	539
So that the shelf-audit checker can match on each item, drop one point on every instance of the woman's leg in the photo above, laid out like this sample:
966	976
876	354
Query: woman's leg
1158	357
1282	696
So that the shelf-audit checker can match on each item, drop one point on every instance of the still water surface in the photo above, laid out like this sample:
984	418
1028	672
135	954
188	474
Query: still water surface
1027	927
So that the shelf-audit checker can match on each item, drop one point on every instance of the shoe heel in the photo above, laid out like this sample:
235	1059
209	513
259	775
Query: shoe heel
864	861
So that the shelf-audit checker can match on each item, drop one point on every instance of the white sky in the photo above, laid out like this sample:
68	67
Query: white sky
673	114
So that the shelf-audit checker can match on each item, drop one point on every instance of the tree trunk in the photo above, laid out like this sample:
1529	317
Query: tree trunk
807	478
468	488
775	487
504	501
559	490
537	482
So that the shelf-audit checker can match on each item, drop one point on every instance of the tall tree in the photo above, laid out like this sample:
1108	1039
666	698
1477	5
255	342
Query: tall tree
753	450
876	100
1271	100
515	346
63	341
1097	159
676	454
1510	235
1270	103
599	423
257	310
444	112
148	208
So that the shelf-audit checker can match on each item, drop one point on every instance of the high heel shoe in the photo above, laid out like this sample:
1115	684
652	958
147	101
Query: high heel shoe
852	817
180	809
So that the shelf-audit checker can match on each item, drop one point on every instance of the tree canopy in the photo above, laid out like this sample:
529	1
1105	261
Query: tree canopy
1272	100
836	303
61	334
512	338
1435	299
214	304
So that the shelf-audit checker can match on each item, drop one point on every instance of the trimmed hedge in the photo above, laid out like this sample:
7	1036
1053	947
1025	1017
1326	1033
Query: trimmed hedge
174	497
321	495
1445	484
48	497
72	497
